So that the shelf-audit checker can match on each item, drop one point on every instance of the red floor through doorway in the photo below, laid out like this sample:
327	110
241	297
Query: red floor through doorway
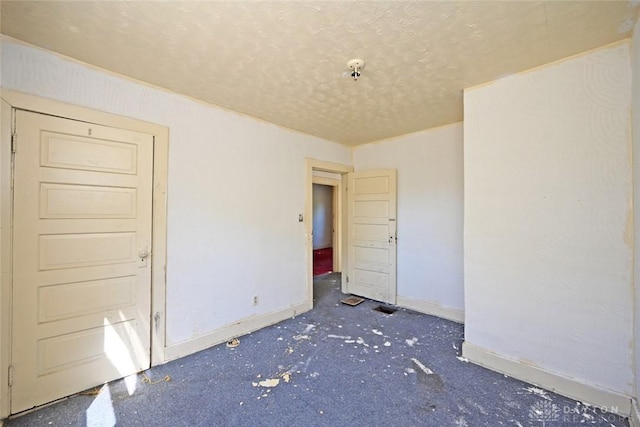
322	261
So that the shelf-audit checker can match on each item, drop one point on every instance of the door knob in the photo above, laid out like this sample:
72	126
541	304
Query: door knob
143	254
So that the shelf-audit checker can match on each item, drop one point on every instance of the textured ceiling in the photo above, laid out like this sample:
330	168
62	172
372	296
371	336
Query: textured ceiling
285	62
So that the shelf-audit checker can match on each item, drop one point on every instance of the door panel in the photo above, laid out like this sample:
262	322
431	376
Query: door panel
372	234
81	307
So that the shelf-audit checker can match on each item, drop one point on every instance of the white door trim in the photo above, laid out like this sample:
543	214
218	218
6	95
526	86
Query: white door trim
17	100
319	165
5	257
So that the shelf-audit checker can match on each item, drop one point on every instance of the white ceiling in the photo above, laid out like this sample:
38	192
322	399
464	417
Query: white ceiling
285	62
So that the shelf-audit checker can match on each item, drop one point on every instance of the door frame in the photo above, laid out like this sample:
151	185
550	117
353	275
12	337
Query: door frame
319	165
13	100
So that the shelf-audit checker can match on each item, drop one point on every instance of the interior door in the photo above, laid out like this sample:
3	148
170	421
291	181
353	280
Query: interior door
81	246
371	241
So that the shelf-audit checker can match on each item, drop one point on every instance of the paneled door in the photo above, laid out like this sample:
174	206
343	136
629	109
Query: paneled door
371	241
81	257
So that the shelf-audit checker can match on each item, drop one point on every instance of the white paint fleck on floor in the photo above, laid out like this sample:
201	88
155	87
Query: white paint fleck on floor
538	392
301	337
340	337
421	366
411	342
461	422
361	342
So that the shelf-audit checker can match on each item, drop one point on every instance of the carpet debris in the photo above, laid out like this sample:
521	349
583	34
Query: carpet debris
421	366
361	341
411	342
301	337
286	377
538	392
94	392
462	359
461	422
340	337
387	344
146	379
271	382
233	343
377	332
309	328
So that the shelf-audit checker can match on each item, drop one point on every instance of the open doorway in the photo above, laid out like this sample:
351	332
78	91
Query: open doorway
324	227
325	224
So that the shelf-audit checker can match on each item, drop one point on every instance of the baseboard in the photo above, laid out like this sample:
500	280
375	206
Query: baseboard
634	419
573	389
432	308
236	329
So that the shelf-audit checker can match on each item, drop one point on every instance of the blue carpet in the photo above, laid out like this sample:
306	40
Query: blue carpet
346	366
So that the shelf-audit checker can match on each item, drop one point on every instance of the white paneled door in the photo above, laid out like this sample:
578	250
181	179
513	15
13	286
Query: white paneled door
372	238
81	267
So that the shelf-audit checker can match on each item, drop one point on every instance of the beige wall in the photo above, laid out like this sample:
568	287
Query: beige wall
548	222
322	216
430	202
635	65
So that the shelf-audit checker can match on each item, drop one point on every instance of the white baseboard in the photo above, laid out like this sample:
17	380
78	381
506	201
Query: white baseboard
634	419
573	389
236	329
432	308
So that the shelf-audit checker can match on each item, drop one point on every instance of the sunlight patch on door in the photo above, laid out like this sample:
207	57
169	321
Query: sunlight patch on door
119	356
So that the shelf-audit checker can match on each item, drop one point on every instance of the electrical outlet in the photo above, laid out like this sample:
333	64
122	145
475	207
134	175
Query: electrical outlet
255	300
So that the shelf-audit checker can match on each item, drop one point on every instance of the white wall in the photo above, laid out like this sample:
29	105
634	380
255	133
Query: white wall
236	187
635	108
430	215
322	216
548	228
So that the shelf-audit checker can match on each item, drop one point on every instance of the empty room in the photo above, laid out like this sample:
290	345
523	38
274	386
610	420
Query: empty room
320	213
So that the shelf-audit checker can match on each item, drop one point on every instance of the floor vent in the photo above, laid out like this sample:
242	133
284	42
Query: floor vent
385	310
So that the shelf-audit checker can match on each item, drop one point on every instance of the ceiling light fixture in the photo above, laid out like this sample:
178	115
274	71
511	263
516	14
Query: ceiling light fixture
356	66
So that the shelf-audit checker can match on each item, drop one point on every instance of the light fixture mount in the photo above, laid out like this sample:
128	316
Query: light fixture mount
356	66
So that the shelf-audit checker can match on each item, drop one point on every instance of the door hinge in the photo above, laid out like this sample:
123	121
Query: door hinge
14	142
347	279
10	380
